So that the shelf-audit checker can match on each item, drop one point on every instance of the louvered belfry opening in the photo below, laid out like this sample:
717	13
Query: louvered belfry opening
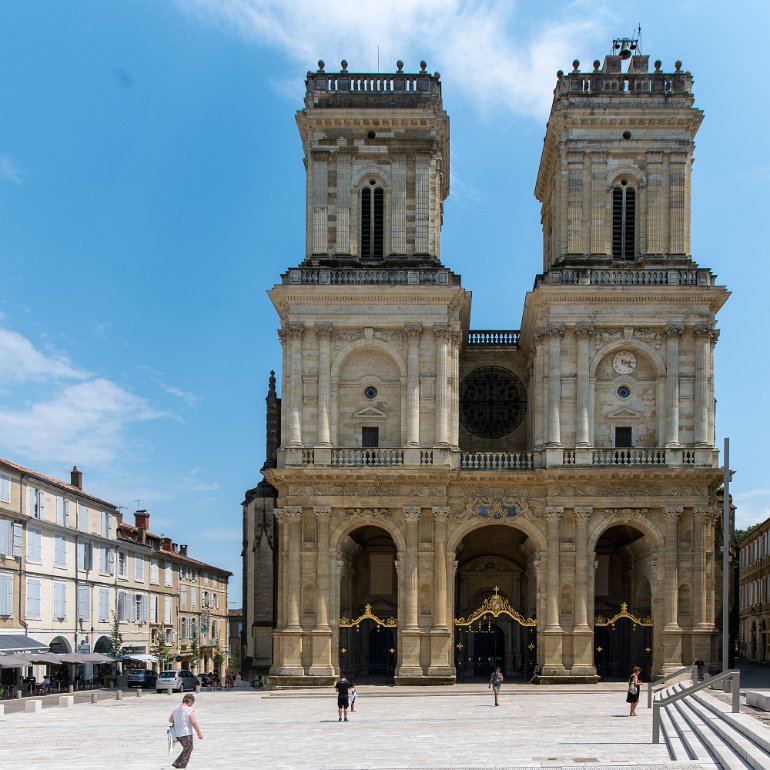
623	221
372	223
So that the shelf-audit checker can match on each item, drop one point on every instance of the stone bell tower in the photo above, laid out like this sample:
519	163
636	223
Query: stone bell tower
377	161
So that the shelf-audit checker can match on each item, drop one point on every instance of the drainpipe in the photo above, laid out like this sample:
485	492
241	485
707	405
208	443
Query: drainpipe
22	619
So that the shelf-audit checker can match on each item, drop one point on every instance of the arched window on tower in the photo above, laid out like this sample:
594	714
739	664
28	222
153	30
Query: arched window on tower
623	221
372	221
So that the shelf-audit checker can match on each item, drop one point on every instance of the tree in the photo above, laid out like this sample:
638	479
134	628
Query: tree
159	648
235	658
116	639
195	654
218	656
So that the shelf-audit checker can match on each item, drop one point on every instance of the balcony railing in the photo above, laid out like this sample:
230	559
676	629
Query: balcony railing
368	276
549	457
499	337
625	277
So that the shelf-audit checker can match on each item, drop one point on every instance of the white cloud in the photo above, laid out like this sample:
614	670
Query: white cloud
490	55
751	507
11	170
189	398
83	422
21	361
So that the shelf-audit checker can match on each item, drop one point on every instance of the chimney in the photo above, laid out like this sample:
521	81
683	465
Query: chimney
76	477
175	548
166	544
183	550
142	519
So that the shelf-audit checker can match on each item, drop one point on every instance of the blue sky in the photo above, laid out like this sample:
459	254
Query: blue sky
152	190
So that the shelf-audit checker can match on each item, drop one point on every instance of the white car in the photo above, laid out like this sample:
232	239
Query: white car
176	681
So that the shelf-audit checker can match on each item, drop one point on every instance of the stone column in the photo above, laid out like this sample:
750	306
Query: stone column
553	431
440	640
294	332
582	634
536	389
442	385
702	349
553	517
701	519
714	336
673	333
583	332
454	406
324	331
410	632
672	636
322	633
287	660
413	333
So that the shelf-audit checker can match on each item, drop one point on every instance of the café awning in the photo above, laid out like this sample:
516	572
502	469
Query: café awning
11	644
11	661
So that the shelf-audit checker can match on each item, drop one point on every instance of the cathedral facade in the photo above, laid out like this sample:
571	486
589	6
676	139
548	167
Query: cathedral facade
439	500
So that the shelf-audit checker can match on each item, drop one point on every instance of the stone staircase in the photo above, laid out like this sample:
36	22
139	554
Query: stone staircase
702	728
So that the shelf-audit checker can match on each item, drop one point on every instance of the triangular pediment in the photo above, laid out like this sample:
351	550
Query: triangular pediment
625	412
370	411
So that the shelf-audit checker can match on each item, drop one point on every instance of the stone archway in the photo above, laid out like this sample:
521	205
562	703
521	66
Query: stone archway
495	560
60	645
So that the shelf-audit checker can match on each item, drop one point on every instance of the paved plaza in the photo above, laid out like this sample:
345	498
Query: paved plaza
392	728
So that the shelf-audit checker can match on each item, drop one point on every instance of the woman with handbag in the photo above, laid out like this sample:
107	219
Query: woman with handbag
634	688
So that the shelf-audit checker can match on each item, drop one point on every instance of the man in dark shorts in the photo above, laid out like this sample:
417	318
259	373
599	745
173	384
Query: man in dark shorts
342	687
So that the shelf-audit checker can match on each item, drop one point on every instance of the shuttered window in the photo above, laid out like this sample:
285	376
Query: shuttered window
104	604
85	556
623	222
5	488
33	598
167	610
59	600
84	602
6	542
372	222
83	518
153	609
60	551
6	594
139	569
35	546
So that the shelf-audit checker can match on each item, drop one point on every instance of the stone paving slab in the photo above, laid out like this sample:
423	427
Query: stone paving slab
533	728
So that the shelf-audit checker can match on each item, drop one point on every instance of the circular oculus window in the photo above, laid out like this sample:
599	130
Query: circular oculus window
370	392
493	402
624	391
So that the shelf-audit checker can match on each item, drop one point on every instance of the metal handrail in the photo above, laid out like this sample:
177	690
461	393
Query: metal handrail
665	679
736	699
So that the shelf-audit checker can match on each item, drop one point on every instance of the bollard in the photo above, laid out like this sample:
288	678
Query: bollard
138	692
66	701
33	706
2	710
118	694
168	691
197	688
19	694
71	688
94	697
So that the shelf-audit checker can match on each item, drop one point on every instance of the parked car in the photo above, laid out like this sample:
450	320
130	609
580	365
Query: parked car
142	677
176	681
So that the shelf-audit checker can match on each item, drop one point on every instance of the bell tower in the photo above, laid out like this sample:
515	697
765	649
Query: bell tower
377	160
614	178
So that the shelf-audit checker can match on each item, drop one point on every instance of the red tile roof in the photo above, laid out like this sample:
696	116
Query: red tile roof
54	482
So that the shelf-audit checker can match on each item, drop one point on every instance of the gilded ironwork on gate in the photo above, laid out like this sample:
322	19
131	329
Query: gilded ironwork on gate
600	620
495	606
368	615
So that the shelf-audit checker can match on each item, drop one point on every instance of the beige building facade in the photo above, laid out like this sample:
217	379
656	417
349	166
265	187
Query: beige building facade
754	594
438	500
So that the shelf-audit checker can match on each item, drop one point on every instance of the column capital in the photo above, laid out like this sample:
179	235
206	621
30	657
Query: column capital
294	329
555	331
554	512
413	331
440	514
280	514
442	332
673	512
324	330
292	512
583	512
703	330
411	513
282	336
584	331
673	331
322	512
706	514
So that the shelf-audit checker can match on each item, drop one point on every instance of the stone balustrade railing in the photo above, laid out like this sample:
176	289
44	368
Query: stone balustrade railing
637	83
500	337
496	461
391	84
626	277
365	276
550	457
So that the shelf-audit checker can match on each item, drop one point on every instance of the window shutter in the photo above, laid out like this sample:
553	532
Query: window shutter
111	561
121	605
59	510
5	537
109	525
6	594
40	503
5	489
66	512
17	539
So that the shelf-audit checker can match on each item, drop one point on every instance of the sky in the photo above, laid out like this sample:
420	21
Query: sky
152	191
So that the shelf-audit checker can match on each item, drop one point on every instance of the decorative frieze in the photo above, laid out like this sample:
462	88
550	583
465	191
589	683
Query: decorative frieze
370	514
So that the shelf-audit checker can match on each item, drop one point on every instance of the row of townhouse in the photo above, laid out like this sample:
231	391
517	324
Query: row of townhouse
754	594
69	567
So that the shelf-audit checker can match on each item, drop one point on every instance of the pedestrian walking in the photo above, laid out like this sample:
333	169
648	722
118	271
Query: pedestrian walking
634	688
184	722
536	671
353	695
495	683
343	691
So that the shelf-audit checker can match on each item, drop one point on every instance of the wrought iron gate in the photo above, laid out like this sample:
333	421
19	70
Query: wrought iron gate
480	640
367	648
622	642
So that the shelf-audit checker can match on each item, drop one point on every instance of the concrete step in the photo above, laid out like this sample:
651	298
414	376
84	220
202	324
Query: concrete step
677	750
700	730
744	723
696	748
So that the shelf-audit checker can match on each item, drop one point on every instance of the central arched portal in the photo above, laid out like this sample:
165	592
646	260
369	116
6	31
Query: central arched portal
495	604
368	606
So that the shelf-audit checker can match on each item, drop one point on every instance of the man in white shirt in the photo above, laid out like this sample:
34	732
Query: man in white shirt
183	719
